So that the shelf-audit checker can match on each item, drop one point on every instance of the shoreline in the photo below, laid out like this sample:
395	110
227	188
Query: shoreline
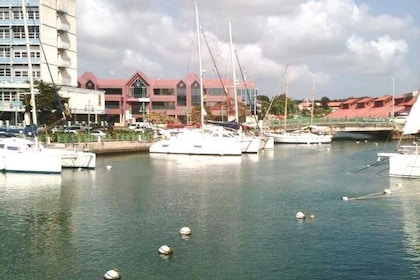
104	148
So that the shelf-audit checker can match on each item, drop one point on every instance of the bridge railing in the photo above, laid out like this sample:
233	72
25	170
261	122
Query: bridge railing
360	122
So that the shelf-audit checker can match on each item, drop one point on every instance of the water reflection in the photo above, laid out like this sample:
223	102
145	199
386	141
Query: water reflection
193	161
408	193
20	185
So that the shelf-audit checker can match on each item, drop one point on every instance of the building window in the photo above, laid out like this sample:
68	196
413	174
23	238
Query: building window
33	14
163	91
4	14
19	32
90	85
112	105
112	91
4	32
5	72
138	89
18	14
215	91
181	95
195	94
4	52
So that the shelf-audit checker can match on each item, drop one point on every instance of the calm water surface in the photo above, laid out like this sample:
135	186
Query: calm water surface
241	210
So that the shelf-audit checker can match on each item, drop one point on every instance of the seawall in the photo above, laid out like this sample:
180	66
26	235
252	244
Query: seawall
112	147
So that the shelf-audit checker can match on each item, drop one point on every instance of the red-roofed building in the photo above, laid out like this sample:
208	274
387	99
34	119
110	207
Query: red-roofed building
132	99
368	107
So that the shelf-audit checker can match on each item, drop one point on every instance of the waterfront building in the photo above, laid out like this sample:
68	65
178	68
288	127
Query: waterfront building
129	100
51	26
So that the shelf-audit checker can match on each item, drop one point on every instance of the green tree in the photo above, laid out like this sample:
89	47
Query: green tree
49	105
264	103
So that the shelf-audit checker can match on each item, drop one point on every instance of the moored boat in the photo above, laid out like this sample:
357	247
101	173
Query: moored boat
405	162
19	155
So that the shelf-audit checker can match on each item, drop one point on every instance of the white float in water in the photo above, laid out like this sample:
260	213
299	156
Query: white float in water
312	216
165	250
300	215
113	274
387	191
108	167
186	231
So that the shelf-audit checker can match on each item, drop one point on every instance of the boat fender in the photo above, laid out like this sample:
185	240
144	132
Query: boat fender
113	274
185	231
300	215
165	250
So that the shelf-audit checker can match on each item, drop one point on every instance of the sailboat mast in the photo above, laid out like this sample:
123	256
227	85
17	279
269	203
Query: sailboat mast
200	66
30	74
285	100
232	51
313	99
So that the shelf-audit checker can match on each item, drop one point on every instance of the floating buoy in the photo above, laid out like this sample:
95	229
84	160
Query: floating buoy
113	274
165	250
300	215
387	191
108	167
312	216
186	231
345	198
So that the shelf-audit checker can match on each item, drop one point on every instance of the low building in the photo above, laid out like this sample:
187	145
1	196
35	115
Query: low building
130	100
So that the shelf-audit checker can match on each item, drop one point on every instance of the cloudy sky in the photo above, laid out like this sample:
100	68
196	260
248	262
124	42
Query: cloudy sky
350	47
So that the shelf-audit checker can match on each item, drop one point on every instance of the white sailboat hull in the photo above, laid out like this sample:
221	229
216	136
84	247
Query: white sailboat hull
197	143
74	159
403	165
250	145
17	156
301	138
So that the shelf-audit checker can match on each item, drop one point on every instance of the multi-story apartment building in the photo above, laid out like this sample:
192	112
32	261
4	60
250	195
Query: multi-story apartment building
51	31
129	100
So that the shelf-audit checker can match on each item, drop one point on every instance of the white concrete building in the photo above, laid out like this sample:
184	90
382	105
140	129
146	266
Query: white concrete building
53	49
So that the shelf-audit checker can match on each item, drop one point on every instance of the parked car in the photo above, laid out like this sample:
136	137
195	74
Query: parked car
98	133
74	129
139	126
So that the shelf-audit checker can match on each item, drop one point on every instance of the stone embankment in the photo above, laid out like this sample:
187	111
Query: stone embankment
111	147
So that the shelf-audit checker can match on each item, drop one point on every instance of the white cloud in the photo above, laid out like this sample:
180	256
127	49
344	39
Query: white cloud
329	39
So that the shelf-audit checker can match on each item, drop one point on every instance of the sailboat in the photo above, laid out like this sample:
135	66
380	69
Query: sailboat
21	155
202	141
405	162
68	158
307	135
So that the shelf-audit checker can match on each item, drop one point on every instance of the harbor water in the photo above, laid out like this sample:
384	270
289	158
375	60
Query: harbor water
241	211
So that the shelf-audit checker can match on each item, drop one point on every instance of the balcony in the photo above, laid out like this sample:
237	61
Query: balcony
63	26
64	62
63	45
62	9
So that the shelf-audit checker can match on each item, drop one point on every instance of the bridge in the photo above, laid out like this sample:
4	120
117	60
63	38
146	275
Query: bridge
349	128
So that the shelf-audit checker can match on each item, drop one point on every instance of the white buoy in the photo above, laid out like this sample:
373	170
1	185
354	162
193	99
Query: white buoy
186	231
345	198
387	191
108	167
113	274
165	250
300	215
312	216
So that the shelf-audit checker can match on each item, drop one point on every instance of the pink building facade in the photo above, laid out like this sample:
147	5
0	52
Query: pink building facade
130	100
